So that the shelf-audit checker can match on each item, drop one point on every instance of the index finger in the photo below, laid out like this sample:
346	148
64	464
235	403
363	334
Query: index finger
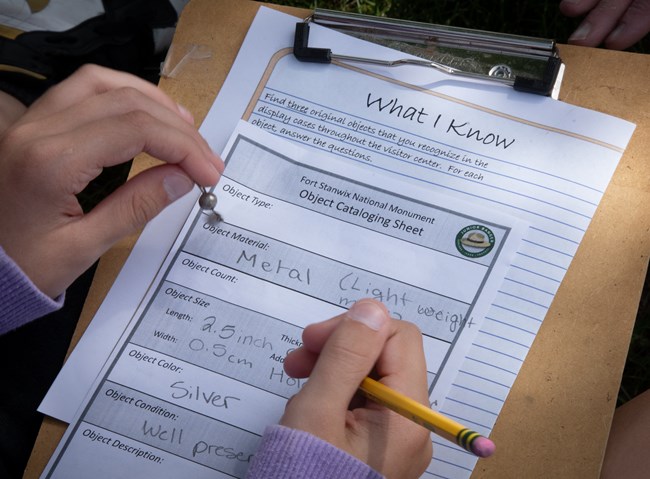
92	80
348	355
401	364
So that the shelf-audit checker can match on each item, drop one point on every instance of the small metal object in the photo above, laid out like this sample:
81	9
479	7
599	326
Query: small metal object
208	203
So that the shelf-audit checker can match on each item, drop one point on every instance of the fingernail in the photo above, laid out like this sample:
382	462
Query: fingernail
581	33
185	113
370	313
177	185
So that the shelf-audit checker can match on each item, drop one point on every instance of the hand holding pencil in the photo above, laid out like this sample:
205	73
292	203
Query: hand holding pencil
343	406
337	355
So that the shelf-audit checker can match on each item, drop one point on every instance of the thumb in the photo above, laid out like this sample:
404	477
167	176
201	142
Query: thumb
348	356
132	205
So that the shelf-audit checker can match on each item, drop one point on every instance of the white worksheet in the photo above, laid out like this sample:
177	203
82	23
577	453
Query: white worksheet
540	160
199	374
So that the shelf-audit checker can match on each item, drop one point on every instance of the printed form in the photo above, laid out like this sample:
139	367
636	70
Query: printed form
200	374
543	161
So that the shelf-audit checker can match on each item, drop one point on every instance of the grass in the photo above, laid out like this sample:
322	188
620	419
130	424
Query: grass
522	17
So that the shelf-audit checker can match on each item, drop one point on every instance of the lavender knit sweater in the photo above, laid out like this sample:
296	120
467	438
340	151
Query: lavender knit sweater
20	301
284	453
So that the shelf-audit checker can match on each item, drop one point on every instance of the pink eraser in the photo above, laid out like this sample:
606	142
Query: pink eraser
483	447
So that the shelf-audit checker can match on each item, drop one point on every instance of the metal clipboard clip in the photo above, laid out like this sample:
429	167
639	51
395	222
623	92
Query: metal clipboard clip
527	64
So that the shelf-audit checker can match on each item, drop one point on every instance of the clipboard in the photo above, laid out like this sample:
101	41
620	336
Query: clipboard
561	372
528	64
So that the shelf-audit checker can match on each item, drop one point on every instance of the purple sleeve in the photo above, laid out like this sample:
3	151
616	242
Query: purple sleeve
20	300
286	453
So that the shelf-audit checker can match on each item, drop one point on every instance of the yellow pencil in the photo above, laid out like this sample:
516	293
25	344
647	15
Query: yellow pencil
428	418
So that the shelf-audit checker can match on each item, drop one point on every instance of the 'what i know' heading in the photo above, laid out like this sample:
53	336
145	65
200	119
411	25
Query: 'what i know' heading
453	126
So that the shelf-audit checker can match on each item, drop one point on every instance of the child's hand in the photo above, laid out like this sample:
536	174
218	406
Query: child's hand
336	355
